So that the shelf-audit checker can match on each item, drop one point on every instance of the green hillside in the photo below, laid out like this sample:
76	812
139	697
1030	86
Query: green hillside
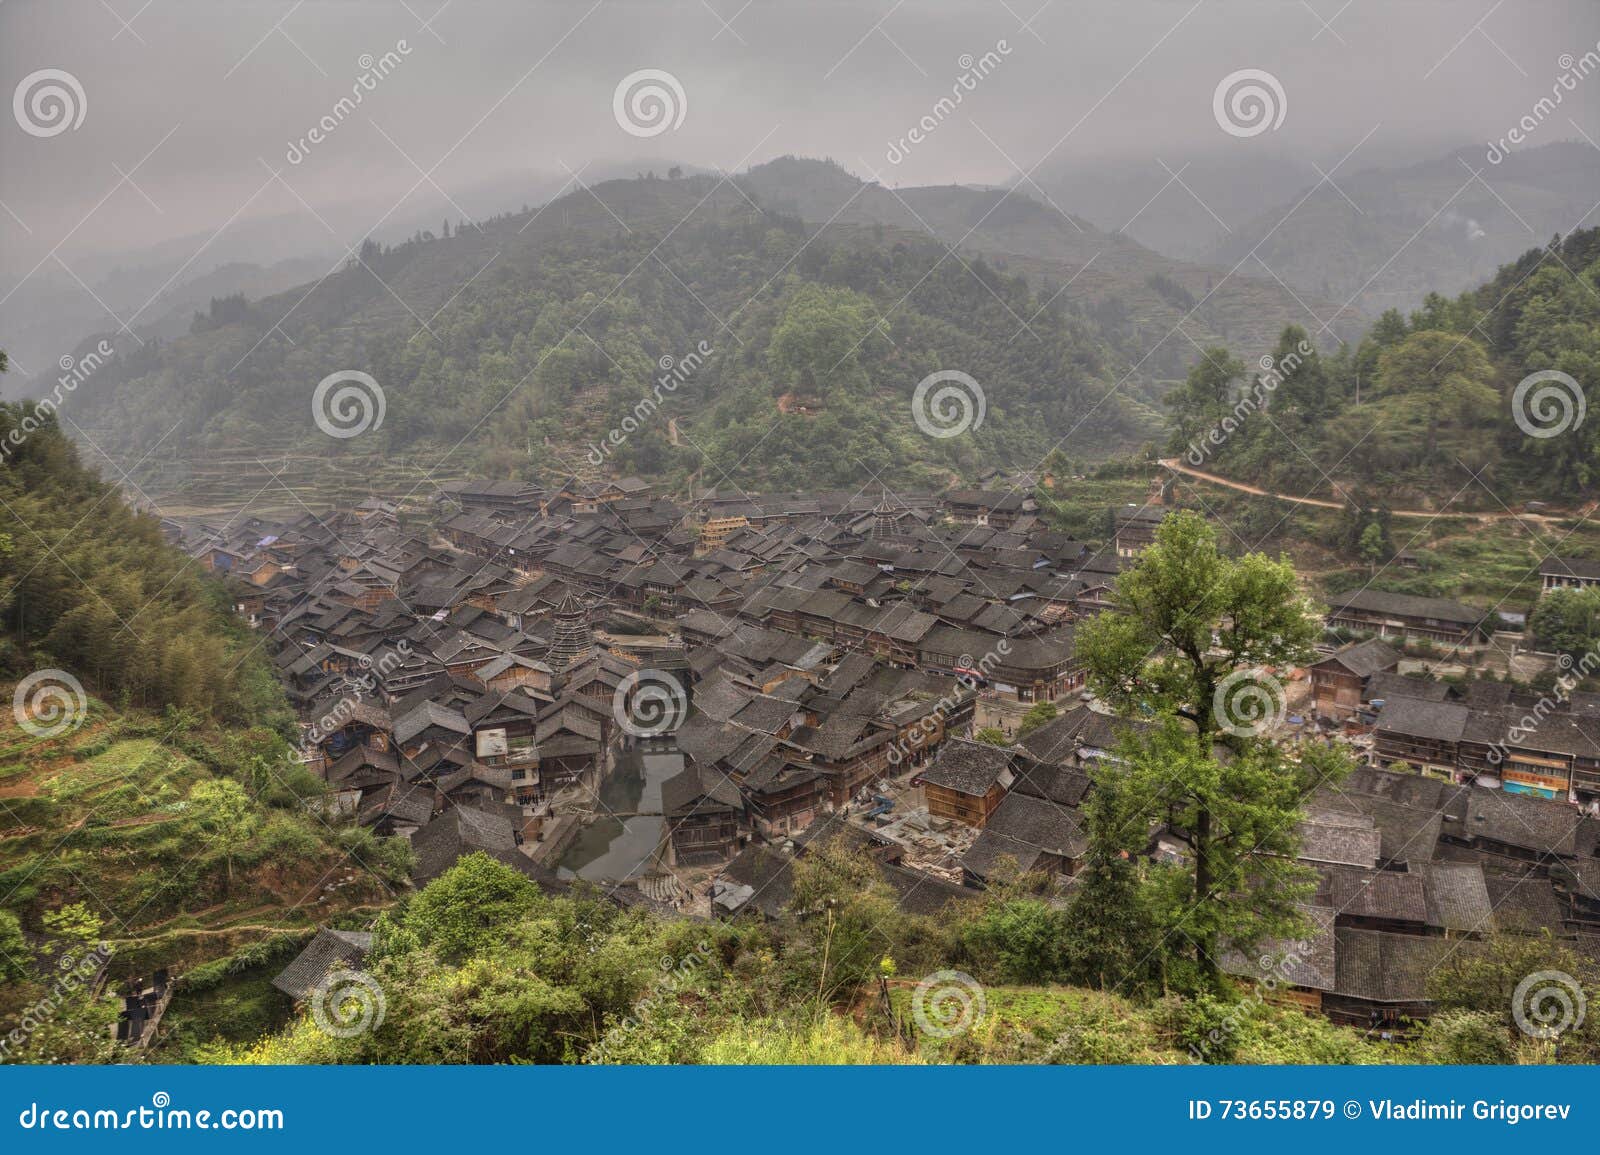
148	797
512	348
1428	409
480	967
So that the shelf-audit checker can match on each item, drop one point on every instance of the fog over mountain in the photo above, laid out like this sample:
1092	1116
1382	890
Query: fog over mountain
193	107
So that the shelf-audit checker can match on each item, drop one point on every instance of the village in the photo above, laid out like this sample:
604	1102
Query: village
674	702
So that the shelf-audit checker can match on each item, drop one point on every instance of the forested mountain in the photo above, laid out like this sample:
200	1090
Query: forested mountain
1386	237
1138	297
514	347
1424	403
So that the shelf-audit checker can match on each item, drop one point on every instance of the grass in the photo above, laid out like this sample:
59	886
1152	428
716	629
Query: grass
1491	564
1077	1025
240	1009
105	816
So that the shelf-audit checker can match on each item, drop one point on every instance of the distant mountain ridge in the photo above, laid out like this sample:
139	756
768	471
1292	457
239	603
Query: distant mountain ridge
1429	227
512	348
1146	303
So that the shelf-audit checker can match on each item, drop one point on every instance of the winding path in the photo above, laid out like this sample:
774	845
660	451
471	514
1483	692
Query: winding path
1176	465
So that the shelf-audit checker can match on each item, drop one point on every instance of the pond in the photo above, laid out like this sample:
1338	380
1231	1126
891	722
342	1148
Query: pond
622	848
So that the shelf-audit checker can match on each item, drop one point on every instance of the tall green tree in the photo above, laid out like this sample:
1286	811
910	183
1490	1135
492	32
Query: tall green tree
1191	631
1206	395
1438	383
1190	617
1240	811
1568	621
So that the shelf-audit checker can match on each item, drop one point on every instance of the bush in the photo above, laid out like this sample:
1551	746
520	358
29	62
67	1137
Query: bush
1466	1037
1207	1027
1017	941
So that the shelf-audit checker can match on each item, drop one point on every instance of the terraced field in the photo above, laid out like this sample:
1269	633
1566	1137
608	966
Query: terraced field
289	480
181	860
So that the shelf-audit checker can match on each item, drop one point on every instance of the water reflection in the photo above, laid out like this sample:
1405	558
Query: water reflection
621	848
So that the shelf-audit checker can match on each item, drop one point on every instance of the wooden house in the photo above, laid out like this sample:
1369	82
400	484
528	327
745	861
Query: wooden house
703	812
966	781
1029	835
1408	619
1339	681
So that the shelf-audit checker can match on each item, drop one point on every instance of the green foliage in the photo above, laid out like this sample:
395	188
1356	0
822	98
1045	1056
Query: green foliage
89	586
155	832
844	911
458	914
991	735
1482	988
1374	545
1190	625
1159	653
1206	399
1567	621
1462	1036
1112	938
1037	715
1423	407
574	979
1207	1026
1242	885
74	921
16	958
1437	387
1020	939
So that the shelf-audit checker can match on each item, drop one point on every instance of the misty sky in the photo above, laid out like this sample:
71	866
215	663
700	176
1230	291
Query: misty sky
210	93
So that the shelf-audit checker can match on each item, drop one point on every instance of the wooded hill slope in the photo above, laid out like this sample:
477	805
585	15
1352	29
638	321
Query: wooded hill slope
148	797
1427	409
509	348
